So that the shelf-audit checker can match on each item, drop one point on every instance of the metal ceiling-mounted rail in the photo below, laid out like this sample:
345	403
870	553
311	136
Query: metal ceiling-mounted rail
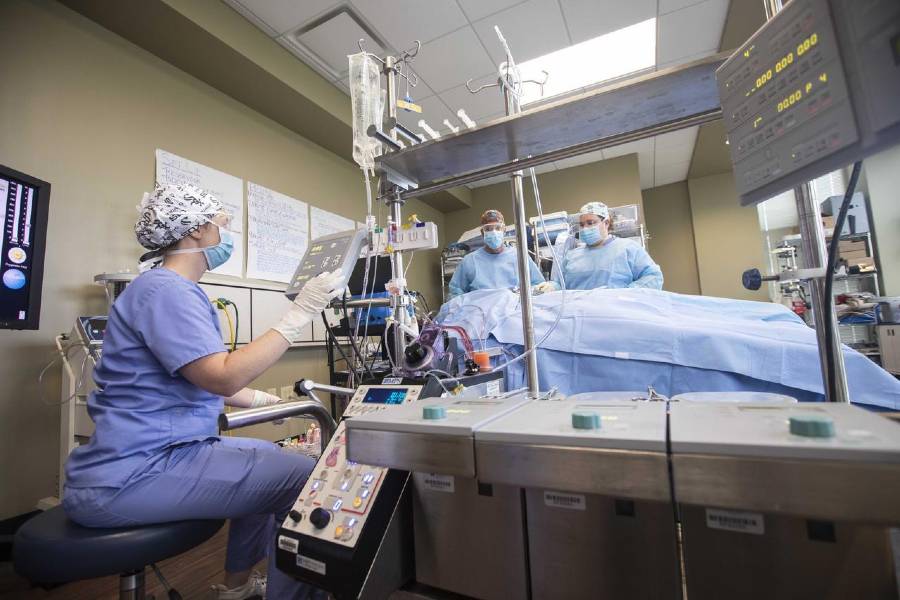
627	110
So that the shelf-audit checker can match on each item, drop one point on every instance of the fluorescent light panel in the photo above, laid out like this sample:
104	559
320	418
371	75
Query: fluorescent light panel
608	56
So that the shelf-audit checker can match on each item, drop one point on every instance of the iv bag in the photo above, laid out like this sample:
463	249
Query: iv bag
368	107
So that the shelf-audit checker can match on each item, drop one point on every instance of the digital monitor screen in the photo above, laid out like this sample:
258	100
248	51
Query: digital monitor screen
385	396
23	209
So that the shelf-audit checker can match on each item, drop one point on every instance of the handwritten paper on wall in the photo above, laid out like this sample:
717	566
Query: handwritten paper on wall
277	233
325	223
173	169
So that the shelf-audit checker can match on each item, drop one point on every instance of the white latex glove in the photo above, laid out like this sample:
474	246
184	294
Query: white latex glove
311	300
261	398
544	287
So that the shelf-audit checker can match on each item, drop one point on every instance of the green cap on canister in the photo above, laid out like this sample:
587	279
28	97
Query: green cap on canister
433	413
813	426
585	420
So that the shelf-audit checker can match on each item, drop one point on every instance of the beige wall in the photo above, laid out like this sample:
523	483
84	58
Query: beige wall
667	212
883	180
615	181
83	109
727	237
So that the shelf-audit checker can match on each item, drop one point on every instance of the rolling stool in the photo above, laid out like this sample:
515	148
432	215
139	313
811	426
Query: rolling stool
49	549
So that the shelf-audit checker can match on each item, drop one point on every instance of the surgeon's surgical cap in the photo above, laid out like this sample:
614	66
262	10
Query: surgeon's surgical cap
171	212
491	216
595	208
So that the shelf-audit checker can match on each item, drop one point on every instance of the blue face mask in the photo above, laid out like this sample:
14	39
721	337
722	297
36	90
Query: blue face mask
493	239
218	255
591	235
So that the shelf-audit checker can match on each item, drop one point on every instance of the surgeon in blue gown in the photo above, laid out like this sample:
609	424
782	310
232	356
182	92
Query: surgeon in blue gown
604	260
164	377
494	266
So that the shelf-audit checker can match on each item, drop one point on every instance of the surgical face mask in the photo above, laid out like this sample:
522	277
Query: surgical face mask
217	255
493	239
591	235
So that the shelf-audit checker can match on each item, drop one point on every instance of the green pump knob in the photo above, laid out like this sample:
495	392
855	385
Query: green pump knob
585	420
434	413
813	426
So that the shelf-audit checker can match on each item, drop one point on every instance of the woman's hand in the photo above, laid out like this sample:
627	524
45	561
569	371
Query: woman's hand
250	398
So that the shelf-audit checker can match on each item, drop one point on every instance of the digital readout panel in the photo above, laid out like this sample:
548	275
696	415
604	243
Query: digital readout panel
785	97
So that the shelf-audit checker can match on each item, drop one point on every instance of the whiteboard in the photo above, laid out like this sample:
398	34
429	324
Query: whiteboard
268	308
241	297
277	234
172	170
323	222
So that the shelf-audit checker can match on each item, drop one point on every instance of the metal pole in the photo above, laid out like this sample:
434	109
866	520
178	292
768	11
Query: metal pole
814	255
518	196
400	301
275	412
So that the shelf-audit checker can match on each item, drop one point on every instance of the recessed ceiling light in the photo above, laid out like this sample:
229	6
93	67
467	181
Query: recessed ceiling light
602	58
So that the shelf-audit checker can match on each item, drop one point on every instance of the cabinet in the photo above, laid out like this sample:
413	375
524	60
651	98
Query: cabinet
889	345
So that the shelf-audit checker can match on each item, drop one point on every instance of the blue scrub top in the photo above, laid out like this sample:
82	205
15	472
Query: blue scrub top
482	270
618	263
142	405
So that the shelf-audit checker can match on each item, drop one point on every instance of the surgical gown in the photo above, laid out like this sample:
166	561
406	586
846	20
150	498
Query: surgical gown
618	263
155	455
482	270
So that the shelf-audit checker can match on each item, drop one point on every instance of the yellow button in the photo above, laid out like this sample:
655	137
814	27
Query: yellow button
357	502
338	531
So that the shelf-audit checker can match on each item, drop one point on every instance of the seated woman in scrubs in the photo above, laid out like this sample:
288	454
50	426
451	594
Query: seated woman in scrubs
604	261
155	455
492	267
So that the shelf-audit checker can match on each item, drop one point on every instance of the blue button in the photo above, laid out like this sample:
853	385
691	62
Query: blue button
813	426
585	420
434	412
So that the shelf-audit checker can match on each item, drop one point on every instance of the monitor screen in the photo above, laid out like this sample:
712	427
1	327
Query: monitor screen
24	203
385	396
379	275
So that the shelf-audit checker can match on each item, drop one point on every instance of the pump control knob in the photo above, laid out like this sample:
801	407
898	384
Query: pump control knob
585	420
295	515
320	518
752	279
812	426
434	413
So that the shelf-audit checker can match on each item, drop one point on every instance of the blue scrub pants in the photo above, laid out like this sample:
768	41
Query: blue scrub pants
252	482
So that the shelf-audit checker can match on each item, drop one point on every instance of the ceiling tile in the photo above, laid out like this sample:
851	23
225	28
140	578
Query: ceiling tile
478	9
333	40
640	146
545	168
681	137
666	174
402	21
488	101
667	155
532	29
451	60
691	30
667	6
588	19
285	15
583	159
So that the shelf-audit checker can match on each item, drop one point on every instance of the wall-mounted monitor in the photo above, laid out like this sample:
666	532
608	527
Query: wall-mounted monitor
24	206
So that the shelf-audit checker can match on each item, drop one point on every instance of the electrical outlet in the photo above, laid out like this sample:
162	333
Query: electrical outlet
286	391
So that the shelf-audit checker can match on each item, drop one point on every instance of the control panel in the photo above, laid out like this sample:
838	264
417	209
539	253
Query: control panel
616	420
419	236
90	331
336	499
821	431
338	251
813	90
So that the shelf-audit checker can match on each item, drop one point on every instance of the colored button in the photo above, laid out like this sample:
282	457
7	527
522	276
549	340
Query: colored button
338	531
813	426
317	484
585	420
434	412
357	502
345	485
364	493
368	478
